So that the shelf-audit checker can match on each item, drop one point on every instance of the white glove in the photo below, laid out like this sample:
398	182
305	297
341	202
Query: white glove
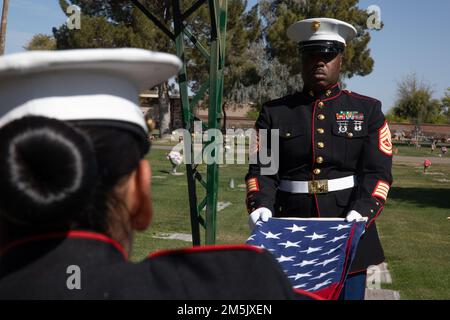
354	216
260	214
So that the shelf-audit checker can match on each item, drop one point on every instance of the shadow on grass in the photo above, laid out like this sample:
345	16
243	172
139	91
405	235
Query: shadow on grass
422	197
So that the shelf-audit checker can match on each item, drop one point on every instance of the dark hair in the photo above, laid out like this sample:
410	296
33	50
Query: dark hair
55	173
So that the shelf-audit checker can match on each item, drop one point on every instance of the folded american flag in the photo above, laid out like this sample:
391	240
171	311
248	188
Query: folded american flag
315	253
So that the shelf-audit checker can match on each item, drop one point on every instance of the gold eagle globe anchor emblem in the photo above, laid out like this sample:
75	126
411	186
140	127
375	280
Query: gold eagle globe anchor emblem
315	26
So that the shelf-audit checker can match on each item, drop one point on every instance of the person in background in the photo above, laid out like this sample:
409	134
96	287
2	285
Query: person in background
175	159
426	165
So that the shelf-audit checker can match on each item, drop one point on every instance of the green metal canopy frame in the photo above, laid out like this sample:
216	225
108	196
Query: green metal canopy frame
214	86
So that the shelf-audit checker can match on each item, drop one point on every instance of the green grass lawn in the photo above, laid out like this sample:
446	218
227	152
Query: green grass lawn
171	206
415	232
414	228
425	151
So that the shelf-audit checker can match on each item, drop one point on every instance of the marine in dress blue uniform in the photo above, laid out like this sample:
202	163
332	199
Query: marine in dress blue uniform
335	150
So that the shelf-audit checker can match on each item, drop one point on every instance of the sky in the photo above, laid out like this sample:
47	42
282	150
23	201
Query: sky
415	39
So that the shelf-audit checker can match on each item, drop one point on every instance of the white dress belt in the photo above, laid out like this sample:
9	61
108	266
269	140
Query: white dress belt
317	186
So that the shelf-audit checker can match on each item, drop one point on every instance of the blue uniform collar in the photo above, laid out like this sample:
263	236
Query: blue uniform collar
331	92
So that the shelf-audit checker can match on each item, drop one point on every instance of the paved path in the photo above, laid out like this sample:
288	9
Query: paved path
382	294
404	159
376	276
156	146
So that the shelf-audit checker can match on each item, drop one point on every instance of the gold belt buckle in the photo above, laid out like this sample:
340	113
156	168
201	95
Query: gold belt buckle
318	186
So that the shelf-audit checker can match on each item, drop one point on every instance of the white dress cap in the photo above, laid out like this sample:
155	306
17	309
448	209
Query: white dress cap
82	84
321	29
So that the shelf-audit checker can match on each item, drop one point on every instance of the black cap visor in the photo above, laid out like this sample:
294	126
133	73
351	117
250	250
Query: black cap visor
136	130
321	46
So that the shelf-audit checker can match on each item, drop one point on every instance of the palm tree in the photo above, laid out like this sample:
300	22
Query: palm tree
3	26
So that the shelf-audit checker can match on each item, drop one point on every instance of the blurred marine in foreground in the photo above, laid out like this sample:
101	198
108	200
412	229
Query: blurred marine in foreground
74	188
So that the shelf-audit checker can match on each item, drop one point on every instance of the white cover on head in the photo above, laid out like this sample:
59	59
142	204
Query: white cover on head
82	84
328	30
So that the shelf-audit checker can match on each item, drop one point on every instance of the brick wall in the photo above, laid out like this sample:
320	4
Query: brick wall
437	131
149	105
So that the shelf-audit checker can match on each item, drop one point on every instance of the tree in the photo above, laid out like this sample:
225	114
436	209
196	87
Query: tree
3	26
391	117
446	105
115	24
415	102
275	79
243	30
280	14
41	42
118	23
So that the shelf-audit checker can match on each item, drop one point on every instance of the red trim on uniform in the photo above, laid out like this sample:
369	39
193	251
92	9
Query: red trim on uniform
360	271
314	119
332	86
364	270
317	205
74	234
357	95
313	141
207	248
313	133
334	97
329	293
308	294
306	92
376	216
